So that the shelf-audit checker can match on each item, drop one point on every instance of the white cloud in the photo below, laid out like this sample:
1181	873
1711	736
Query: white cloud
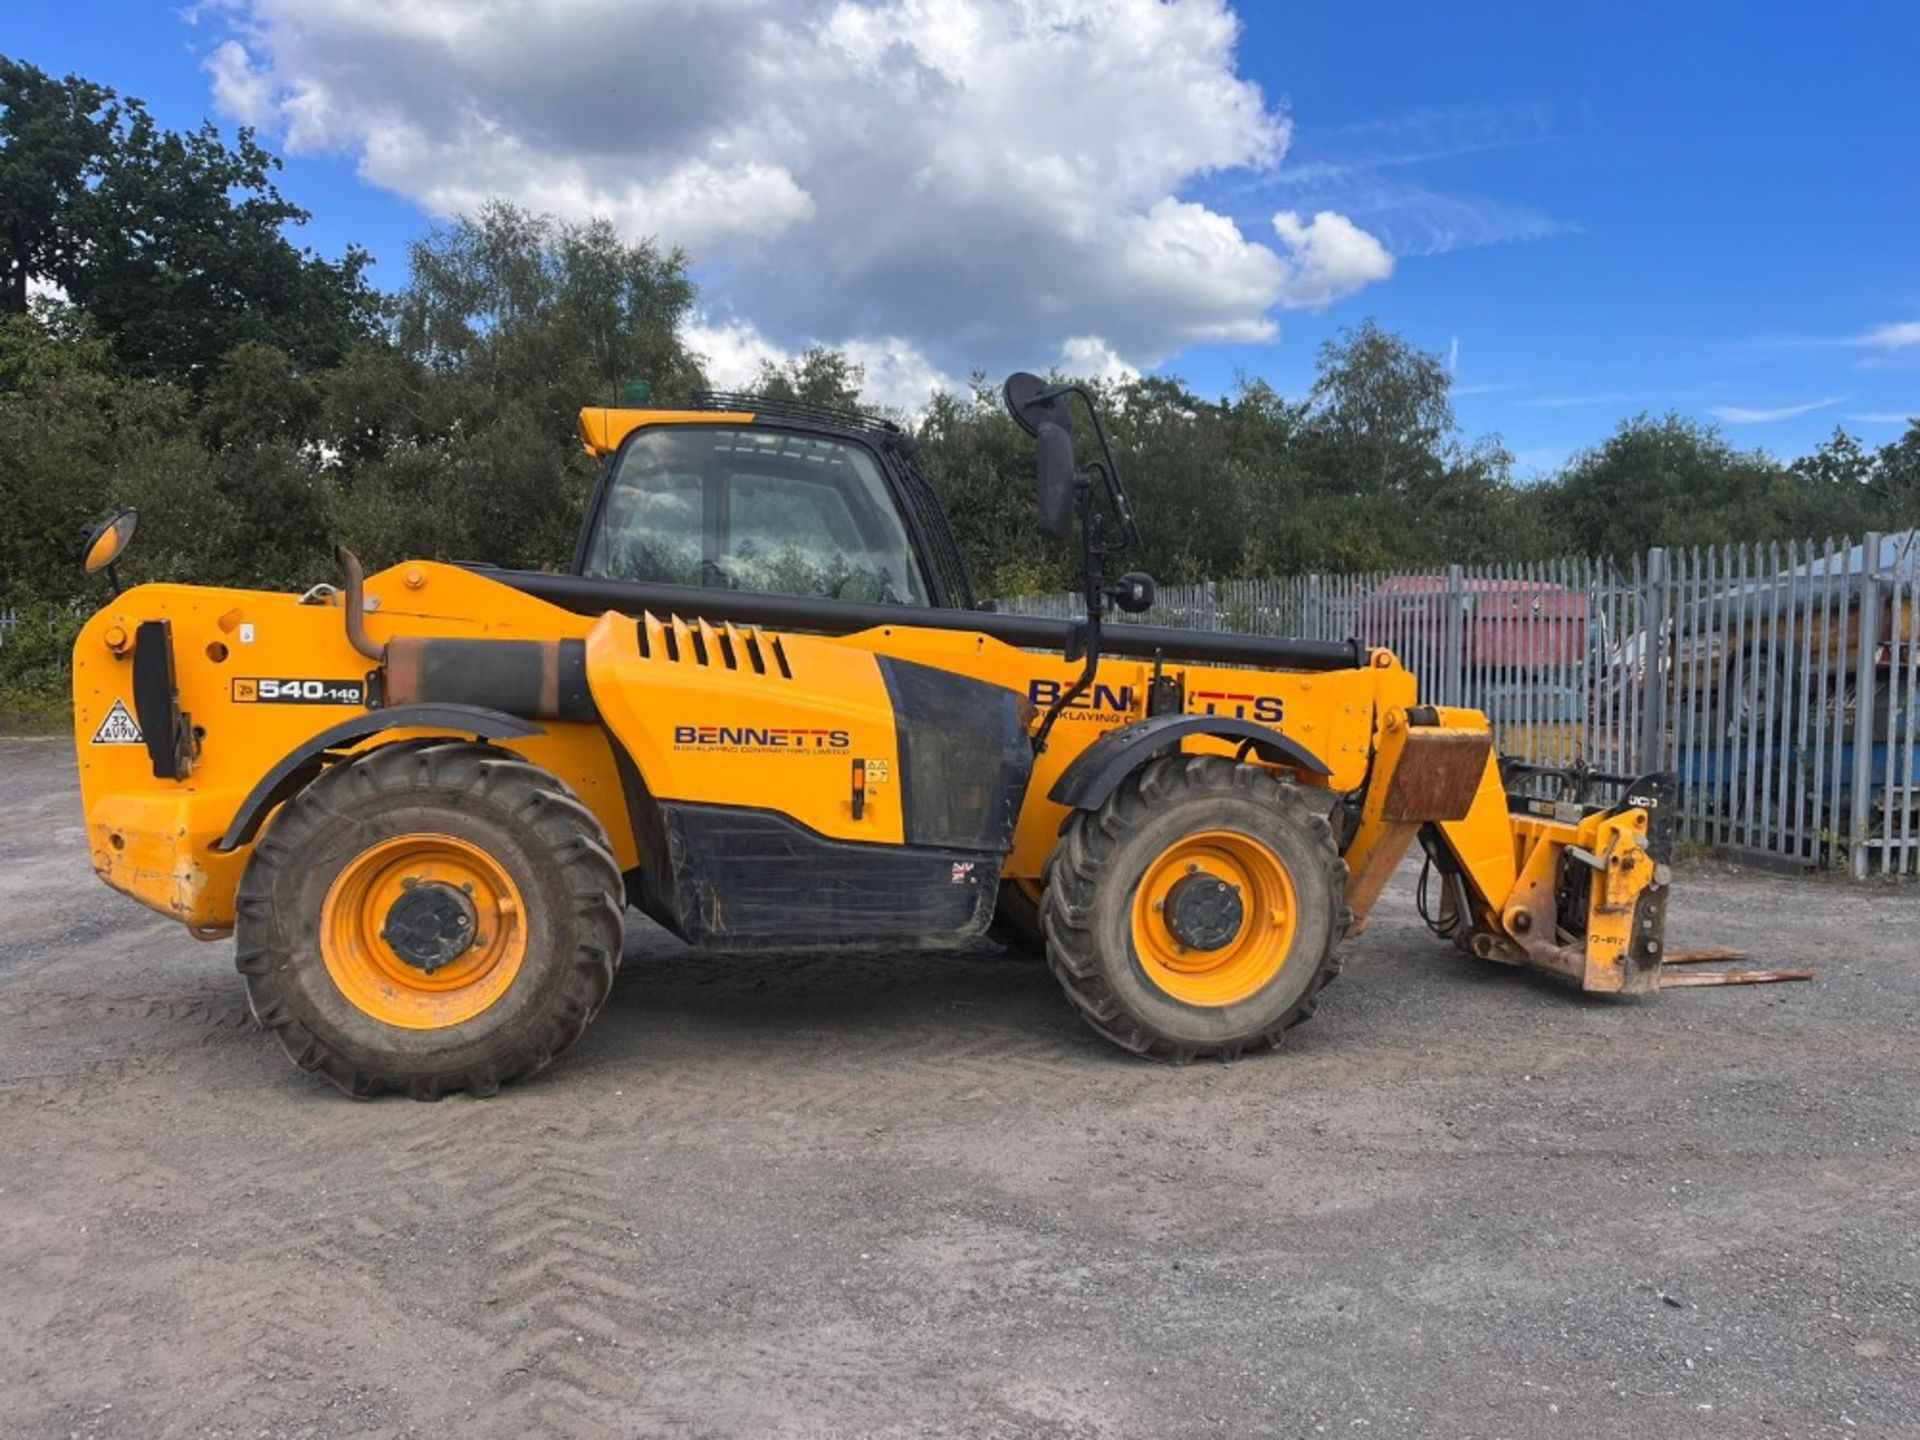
1327	257
1902	335
978	179
1088	357
1569	402
1750	415
1886	417
1362	171
38	289
239	89
731	351
896	373
1895	335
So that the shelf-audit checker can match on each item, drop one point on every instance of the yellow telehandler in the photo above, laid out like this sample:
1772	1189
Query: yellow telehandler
762	706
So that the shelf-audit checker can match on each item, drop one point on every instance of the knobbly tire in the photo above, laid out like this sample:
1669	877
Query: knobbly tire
502	852
1194	809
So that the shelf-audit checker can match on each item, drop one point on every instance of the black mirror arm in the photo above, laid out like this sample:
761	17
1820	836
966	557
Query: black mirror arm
1086	635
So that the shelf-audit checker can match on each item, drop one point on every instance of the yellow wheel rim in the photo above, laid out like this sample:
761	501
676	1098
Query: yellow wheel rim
1245	956
372	974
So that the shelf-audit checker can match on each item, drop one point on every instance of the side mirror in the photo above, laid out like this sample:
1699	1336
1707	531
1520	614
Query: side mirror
108	541
1041	411
1054	481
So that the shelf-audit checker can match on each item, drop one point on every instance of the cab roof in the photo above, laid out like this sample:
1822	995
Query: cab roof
603	428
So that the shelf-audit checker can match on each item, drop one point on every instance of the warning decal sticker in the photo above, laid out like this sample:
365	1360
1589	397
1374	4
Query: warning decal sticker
119	728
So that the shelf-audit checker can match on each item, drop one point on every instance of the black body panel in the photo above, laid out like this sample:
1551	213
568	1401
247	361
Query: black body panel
156	702
745	879
535	679
964	756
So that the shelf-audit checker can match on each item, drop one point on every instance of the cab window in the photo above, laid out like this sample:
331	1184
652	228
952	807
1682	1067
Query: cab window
753	508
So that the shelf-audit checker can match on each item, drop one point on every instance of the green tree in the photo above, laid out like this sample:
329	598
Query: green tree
174	243
461	440
1665	481
533	311
1896	481
54	137
818	376
981	466
1381	411
1830	492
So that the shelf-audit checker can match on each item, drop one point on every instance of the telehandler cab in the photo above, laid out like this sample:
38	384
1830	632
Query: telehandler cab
763	707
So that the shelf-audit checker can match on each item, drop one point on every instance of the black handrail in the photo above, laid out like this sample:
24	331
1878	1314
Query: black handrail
589	596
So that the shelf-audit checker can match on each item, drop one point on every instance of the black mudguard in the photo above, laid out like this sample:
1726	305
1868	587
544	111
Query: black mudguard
1098	770
298	769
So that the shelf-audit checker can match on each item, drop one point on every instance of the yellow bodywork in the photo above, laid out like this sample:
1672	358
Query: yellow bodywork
152	839
155	839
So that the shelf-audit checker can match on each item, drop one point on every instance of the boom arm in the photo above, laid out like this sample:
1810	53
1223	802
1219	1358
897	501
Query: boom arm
1583	896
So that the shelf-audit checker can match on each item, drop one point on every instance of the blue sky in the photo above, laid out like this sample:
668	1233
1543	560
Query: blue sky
1591	210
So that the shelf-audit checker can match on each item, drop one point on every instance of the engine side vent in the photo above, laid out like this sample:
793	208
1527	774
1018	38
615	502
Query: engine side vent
726	646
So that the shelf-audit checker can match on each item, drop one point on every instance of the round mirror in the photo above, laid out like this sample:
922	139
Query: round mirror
108	541
1031	406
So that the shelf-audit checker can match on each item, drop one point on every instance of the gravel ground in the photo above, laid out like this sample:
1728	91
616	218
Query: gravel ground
912	1196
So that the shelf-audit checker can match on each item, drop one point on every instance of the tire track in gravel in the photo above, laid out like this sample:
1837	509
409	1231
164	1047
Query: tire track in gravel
547	1248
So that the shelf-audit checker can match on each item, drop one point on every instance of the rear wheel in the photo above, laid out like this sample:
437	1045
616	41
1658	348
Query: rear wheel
430	917
1198	910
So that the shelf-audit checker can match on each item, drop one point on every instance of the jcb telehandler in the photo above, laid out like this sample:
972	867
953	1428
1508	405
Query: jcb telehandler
763	707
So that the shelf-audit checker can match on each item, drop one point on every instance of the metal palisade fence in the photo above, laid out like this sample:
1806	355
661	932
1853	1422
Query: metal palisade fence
1778	682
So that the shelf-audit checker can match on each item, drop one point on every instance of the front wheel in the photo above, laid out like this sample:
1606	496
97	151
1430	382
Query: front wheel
429	917
1198	910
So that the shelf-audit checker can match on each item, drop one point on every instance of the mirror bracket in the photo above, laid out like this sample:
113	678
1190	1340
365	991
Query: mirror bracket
1044	412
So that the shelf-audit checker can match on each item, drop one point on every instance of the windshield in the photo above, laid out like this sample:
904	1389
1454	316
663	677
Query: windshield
754	508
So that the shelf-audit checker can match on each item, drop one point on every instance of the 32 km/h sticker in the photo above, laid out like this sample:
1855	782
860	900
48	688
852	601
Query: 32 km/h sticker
262	691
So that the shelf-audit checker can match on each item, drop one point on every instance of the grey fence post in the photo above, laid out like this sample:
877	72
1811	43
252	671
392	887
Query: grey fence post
1453	680
1655	607
1864	703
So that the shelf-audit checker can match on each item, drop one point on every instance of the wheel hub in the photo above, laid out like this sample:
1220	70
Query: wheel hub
430	925
1204	912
